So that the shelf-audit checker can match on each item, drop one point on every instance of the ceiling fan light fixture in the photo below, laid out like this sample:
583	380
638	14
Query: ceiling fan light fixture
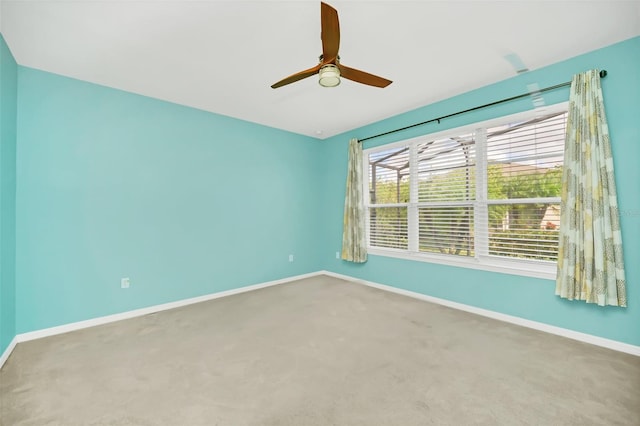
329	68
329	76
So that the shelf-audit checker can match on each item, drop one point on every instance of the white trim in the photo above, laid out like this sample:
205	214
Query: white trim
413	212
582	337
480	207
559	331
7	352
522	267
481	259
65	328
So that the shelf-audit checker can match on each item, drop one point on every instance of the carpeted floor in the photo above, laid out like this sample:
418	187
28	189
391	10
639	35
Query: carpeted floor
316	352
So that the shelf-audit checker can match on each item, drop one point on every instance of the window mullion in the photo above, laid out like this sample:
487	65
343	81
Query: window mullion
412	210
481	211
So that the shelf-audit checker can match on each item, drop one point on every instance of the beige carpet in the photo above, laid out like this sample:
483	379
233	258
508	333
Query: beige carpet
316	352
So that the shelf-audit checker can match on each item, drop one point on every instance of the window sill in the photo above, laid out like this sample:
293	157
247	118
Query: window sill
525	268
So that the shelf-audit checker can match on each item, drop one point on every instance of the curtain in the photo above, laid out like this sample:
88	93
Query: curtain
354	243
590	265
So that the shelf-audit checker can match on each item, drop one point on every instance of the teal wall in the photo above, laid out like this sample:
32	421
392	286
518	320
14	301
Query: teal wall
8	96
524	297
184	202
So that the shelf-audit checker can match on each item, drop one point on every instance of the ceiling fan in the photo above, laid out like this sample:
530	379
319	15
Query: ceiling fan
329	68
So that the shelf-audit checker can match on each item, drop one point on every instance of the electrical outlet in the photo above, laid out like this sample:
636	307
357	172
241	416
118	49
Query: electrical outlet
124	283
337	255
290	258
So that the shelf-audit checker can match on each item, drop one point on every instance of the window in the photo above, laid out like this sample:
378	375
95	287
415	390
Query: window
486	196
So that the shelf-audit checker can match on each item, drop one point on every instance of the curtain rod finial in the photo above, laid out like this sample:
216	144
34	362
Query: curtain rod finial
603	73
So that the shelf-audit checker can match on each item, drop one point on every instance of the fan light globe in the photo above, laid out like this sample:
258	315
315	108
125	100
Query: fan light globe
329	76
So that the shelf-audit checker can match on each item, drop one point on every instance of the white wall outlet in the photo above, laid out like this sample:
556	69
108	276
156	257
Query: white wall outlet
337	255
290	258
124	283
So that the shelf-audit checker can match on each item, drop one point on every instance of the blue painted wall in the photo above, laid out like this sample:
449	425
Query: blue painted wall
528	298
184	202
8	96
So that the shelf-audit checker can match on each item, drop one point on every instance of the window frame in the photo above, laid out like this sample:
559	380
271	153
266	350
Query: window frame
480	260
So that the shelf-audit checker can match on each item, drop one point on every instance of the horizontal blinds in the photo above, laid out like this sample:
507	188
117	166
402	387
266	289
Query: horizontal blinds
446	188
446	230
424	195
388	227
524	163
524	160
446	169
389	184
389	176
526	231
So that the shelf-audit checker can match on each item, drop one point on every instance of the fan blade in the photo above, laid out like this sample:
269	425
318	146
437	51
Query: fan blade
363	77
330	33
297	76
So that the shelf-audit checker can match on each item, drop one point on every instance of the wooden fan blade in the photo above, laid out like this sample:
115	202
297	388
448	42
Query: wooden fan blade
363	77
297	76
330	33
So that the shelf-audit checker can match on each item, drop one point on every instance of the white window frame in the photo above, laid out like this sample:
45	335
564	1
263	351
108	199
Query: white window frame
480	260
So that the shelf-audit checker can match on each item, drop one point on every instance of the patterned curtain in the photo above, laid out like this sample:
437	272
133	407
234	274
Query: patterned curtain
354	243
590	265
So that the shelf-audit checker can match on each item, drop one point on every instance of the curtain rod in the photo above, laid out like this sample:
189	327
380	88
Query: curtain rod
603	74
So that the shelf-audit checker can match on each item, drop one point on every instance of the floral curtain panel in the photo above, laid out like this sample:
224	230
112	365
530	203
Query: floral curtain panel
354	243
590	265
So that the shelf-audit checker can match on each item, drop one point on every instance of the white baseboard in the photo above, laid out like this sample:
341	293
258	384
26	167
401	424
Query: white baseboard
571	334
5	355
65	328
583	337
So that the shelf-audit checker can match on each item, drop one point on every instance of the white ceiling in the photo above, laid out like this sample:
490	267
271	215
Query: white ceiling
222	56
